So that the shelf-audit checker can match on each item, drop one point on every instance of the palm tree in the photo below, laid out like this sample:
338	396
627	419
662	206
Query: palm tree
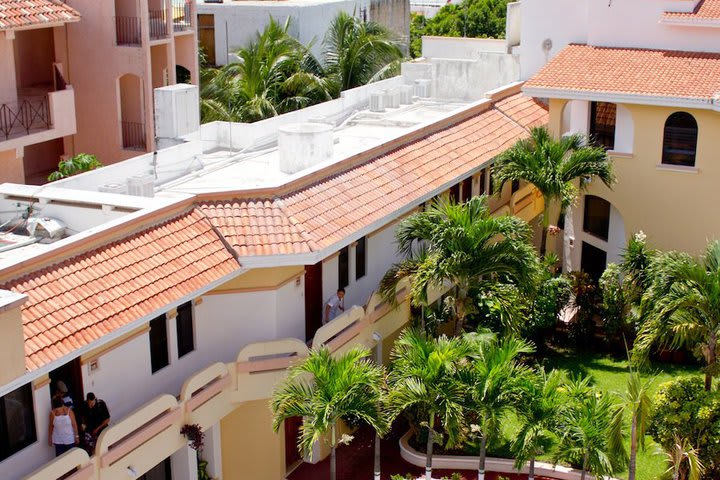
357	53
323	390
554	167
636	401
586	426
539	400
424	376
275	74
682	307
465	245
684	461
492	380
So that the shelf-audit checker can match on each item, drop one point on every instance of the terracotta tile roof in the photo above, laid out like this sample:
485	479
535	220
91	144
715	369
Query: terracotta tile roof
25	13
665	73
705	10
319	215
85	297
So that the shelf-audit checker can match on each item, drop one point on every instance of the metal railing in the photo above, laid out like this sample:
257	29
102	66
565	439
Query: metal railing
127	30
182	16
158	24
133	135
24	115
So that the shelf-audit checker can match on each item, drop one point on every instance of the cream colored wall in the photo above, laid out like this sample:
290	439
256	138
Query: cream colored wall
261	278
674	206
251	450
12	353
8	88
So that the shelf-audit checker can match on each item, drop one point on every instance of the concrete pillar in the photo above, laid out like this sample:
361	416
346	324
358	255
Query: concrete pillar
212	453
184	464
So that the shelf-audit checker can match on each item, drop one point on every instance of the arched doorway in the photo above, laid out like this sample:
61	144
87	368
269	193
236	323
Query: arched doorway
132	115
600	235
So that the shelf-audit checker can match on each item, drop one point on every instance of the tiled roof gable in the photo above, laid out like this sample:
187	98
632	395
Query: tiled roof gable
24	13
76	302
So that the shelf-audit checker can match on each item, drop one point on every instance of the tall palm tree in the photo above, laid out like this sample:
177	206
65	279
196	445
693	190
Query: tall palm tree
357	53
537	409
424	375
586	426
684	461
637	402
555	168
323	390
492	380
275	74
682	307
465	245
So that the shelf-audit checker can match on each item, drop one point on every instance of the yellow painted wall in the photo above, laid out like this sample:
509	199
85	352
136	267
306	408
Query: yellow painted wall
261	278
12	353
251	450
675	208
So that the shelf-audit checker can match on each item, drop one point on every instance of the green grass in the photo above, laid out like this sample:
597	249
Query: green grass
608	373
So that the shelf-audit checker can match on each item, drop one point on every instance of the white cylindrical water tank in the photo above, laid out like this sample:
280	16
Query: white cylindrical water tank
303	145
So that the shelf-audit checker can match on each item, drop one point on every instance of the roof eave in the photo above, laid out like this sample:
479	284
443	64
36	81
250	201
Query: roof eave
631	98
689	21
37	26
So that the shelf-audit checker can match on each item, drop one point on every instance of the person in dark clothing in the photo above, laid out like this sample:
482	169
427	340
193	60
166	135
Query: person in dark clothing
95	418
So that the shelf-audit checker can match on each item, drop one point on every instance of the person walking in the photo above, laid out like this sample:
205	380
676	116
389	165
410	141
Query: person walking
63	431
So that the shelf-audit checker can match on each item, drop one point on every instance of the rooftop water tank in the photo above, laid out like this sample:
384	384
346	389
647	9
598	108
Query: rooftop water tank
304	145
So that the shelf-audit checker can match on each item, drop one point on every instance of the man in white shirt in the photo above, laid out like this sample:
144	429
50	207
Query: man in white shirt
334	306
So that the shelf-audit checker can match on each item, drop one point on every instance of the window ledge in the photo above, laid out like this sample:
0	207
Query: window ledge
677	168
613	153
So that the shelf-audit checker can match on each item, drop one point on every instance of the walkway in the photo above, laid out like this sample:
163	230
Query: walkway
355	462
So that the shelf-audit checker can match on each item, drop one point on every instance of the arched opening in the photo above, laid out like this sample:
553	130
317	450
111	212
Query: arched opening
601	238
680	140
127	22
132	116
596	217
603	117
182	74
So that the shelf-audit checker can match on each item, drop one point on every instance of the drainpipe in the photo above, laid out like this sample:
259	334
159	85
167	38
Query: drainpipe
378	359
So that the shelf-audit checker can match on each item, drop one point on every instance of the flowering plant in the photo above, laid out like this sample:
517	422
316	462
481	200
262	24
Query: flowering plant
194	434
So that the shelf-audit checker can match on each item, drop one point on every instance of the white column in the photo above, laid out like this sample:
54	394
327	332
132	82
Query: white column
212	453
184	464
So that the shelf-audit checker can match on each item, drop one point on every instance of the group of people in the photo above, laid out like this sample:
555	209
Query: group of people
72	427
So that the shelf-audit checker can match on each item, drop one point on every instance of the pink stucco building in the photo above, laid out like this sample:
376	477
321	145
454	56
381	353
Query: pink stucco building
78	77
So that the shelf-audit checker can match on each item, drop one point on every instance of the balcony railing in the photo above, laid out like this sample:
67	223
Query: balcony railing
182	16
158	25
127	30
21	117
133	135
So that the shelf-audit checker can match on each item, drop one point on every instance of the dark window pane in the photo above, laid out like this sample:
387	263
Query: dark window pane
680	140
597	216
491	187
360	259
455	193
466	189
159	357
185	329
482	182
515	186
603	116
593	261
343	275
17	421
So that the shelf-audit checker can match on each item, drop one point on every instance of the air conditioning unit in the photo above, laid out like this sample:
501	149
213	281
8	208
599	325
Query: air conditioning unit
46	228
113	188
377	102
406	94
422	87
141	185
392	98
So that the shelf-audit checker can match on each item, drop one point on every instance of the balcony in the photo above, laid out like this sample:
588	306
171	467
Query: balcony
527	203
133	135
39	114
158	25
182	15
128	31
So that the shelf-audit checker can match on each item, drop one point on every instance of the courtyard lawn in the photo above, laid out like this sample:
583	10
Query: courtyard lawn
609	373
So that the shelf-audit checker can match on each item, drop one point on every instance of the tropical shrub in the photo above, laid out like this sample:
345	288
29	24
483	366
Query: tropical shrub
82	162
684	409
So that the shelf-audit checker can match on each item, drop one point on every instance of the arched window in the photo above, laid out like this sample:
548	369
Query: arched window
596	220
680	140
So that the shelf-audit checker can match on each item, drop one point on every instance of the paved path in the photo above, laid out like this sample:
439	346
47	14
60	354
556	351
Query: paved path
355	462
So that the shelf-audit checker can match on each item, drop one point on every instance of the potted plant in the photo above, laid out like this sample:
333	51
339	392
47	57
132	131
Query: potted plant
195	437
